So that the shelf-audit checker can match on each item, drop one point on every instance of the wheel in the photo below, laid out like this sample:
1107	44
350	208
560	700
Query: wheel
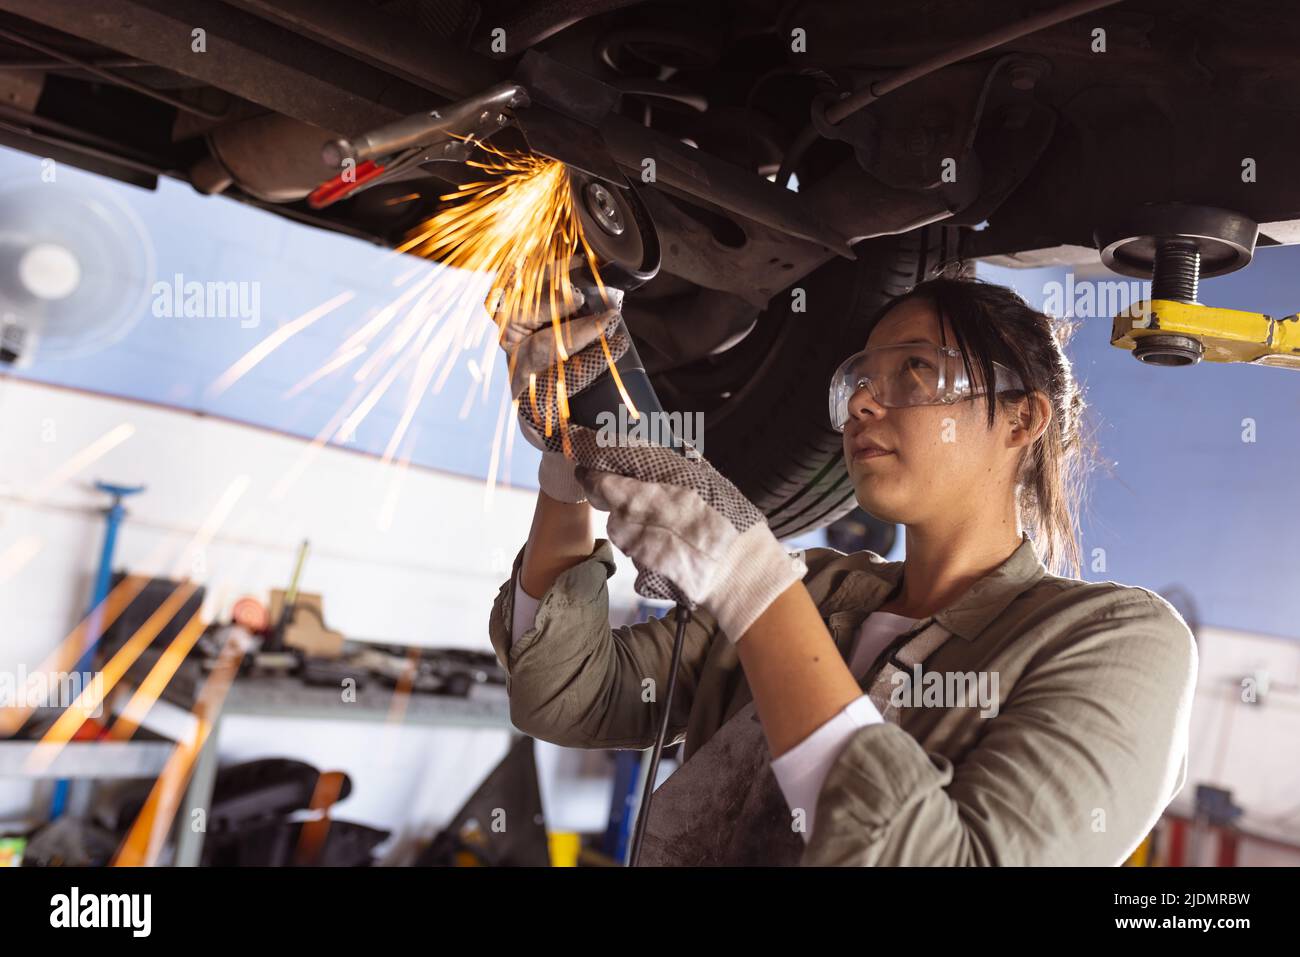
765	421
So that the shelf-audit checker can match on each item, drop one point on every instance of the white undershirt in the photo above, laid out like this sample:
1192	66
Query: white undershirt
802	770
525	611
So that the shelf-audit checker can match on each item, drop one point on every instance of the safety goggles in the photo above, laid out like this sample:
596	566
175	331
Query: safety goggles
908	374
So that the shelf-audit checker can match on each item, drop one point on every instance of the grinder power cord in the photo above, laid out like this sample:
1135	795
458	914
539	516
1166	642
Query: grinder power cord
694	538
569	363
692	535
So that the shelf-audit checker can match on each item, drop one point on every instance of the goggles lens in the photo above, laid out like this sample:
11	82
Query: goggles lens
904	375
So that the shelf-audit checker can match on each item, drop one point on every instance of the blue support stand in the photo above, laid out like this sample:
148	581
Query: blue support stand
113	516
627	778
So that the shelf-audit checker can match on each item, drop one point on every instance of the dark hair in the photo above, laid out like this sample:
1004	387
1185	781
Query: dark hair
991	323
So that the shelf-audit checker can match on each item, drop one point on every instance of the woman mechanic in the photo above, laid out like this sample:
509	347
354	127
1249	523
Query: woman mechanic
815	730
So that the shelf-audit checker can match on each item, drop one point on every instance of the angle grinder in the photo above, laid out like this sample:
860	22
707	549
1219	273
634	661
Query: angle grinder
622	237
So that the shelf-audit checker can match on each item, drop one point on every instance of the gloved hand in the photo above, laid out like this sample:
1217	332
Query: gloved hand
533	357
694	538
555	477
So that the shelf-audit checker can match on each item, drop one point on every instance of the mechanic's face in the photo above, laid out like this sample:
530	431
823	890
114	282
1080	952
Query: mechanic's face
939	462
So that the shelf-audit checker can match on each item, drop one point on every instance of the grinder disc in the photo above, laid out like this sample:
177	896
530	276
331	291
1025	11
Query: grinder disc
618	230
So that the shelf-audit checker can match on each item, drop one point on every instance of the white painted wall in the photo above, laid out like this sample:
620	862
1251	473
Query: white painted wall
1251	749
427	577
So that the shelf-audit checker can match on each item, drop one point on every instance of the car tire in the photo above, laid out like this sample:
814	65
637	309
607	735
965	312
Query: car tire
766	426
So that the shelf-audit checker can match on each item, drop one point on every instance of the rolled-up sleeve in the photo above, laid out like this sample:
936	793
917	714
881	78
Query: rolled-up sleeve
801	771
575	681
1075	769
525	611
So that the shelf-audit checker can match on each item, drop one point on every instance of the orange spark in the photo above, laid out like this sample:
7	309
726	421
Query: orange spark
83	458
522	226
156	681
14	558
510	241
144	841
272	342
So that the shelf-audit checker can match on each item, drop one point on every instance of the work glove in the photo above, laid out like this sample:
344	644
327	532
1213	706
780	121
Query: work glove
693	537
537	379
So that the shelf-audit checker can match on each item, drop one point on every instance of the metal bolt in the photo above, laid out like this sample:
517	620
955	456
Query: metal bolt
1024	76
335	152
600	203
1176	272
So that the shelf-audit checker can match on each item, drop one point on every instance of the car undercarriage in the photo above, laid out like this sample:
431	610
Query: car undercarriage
726	119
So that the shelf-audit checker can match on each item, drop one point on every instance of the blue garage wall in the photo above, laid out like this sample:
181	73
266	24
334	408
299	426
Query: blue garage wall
1186	502
173	361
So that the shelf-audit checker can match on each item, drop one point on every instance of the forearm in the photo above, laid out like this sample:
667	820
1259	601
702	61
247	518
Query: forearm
577	682
796	674
562	535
